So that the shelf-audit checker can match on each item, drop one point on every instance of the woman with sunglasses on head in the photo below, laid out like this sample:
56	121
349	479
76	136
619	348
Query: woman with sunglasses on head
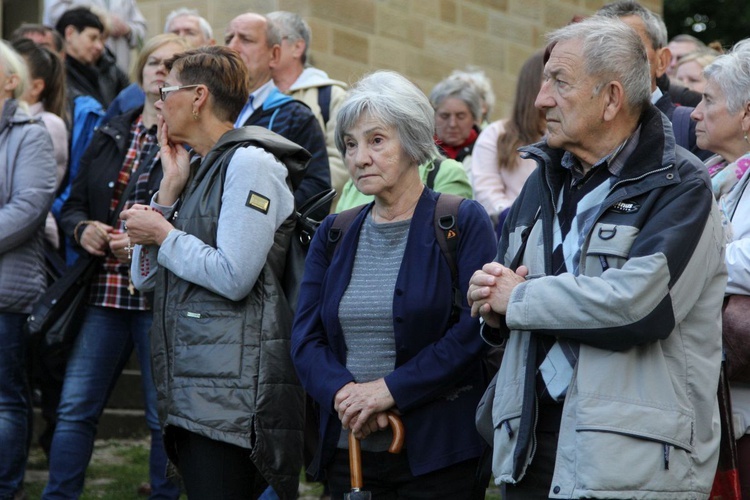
119	168
212	246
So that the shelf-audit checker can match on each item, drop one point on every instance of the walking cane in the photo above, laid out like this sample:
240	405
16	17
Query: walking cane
355	457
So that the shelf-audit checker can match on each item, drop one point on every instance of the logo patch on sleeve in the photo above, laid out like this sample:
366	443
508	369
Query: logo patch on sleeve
258	202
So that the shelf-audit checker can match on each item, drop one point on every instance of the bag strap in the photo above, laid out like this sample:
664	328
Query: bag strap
447	235
339	227
432	174
324	103
306	225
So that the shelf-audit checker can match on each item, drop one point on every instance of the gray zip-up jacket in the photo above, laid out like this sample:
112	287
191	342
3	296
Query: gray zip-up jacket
27	187
641	417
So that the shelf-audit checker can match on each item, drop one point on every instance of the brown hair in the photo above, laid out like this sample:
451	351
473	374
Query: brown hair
221	70
46	65
151	46
525	124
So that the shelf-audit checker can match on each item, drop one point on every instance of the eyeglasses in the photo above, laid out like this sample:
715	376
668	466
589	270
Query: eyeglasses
165	91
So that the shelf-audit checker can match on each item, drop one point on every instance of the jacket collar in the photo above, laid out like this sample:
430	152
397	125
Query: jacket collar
655	151
294	157
13	114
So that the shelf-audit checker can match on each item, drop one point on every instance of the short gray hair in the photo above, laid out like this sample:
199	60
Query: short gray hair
273	33
655	27
731	72
612	50
478	78
183	11
460	88
293	28
394	101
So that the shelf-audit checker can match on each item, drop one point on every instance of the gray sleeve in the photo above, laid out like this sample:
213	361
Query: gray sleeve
30	186
245	234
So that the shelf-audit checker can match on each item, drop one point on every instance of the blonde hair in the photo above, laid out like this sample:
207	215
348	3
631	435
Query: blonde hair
13	64
152	45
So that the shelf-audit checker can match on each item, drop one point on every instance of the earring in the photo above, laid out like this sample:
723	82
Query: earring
195	117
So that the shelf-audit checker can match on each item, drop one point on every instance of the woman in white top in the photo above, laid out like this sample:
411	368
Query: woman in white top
723	117
498	171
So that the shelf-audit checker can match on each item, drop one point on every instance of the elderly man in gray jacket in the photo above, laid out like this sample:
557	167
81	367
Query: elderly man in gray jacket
612	322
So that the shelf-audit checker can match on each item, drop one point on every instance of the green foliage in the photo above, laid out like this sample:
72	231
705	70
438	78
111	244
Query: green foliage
725	21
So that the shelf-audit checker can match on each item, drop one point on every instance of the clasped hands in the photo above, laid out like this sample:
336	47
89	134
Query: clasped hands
362	407
490	289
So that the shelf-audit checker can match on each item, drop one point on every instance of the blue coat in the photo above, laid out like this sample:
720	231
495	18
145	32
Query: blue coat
439	376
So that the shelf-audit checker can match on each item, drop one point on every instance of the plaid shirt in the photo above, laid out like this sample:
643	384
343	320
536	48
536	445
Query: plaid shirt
109	287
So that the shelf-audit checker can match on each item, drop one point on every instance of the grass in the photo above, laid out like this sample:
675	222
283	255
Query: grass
118	467
116	470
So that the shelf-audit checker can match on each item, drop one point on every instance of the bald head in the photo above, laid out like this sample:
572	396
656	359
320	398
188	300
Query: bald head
258	43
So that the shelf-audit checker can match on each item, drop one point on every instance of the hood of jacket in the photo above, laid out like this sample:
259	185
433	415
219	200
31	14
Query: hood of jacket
293	156
314	77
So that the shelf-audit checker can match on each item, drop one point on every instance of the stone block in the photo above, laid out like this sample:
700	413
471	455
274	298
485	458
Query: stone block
431	68
515	29
396	25
448	11
389	54
351	45
321	35
489	52
448	42
558	15
473	18
528	9
500	5
426	9
357	15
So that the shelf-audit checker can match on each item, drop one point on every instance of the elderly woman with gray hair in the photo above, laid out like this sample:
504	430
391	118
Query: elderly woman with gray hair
378	327
723	117
458	113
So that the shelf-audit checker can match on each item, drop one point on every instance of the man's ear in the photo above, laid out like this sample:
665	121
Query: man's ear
298	48
663	58
69	30
275	56
614	100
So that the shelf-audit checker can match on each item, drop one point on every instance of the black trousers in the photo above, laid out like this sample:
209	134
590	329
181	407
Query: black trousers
214	470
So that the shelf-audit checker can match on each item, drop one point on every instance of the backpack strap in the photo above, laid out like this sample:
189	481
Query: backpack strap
432	174
324	102
681	125
339	227
447	234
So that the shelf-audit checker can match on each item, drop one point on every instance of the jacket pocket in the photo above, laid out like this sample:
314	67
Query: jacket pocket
208	344
609	247
506	420
635	448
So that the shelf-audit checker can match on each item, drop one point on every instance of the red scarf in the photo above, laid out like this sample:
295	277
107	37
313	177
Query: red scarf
453	151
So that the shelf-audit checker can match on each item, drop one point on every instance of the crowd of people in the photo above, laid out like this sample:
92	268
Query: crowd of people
536	299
